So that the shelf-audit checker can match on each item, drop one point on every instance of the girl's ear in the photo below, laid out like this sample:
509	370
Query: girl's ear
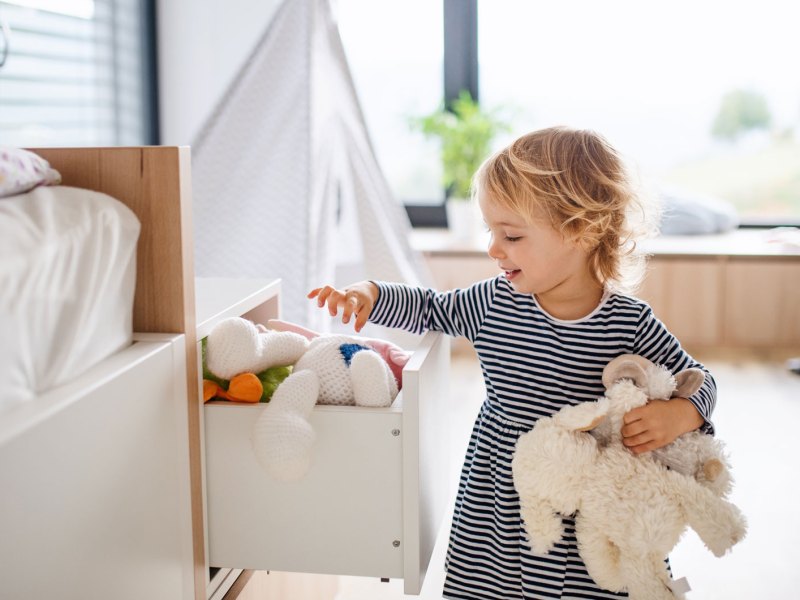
688	382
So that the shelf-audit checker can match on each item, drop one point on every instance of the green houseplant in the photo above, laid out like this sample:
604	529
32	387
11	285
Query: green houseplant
466	132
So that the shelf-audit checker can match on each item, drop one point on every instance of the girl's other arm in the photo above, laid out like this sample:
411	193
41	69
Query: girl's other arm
660	422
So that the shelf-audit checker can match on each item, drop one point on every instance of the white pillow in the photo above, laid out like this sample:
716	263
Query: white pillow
21	171
687	213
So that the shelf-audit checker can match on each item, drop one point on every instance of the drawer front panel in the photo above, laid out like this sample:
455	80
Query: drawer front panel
345	517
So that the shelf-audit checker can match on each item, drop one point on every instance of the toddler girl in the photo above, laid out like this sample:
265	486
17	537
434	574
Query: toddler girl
560	209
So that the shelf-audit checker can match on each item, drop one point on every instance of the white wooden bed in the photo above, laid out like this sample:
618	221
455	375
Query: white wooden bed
121	484
95	474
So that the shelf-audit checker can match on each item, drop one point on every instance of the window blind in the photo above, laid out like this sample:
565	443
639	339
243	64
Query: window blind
76	73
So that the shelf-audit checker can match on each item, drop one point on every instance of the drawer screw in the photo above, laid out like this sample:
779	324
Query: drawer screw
395	432
396	543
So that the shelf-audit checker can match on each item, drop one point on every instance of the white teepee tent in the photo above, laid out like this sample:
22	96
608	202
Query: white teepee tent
285	180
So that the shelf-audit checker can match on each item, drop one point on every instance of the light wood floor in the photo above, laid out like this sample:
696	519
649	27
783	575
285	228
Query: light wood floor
757	415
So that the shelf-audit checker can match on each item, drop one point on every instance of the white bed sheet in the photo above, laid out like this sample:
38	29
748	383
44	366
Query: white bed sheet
67	281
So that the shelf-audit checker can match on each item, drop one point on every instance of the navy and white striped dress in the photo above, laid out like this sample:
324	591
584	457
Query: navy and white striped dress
533	365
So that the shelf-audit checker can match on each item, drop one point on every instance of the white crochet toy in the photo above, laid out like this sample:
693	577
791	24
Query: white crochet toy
329	369
630	511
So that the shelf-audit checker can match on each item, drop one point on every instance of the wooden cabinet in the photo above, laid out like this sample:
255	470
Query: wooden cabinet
736	290
762	302
687	295
731	291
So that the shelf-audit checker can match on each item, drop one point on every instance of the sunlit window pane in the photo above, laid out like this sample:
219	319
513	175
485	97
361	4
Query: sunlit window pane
75	73
701	95
395	52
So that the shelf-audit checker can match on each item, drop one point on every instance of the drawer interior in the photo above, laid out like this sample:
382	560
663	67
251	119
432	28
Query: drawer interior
344	517
372	503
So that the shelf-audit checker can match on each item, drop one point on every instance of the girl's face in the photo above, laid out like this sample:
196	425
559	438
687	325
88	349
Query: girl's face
535	258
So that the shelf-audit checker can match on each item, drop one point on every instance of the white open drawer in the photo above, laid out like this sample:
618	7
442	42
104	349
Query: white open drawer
372	503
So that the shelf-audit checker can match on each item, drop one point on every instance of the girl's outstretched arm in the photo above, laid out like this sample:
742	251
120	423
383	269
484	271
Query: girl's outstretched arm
457	312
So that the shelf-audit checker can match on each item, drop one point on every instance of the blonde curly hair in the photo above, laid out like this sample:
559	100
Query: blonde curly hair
579	183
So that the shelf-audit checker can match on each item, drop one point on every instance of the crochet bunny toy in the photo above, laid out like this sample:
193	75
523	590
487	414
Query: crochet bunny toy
630	511
241	365
328	369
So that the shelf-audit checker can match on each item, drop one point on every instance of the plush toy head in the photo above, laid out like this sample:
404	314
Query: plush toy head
655	380
394	356
631	381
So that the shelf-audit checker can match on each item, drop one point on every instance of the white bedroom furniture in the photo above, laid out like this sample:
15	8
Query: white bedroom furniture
377	491
95	472
104	489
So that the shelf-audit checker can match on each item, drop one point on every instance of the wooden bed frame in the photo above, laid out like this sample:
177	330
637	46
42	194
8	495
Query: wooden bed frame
147	398
155	183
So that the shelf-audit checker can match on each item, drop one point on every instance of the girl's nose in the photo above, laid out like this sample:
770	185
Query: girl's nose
494	250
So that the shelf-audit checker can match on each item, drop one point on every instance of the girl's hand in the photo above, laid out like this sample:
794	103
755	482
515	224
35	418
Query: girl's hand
358	299
658	423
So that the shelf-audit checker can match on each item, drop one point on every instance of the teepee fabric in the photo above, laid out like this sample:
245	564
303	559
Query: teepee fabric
285	179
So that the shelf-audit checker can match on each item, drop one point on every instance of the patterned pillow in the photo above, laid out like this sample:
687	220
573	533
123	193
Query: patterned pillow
21	171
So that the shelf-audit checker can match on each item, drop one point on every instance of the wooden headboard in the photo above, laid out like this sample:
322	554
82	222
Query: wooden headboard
155	183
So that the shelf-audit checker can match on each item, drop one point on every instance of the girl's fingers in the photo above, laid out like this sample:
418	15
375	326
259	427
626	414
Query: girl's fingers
334	300
349	306
323	294
361	319
314	293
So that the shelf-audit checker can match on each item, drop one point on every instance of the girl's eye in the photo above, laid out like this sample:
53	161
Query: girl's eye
512	239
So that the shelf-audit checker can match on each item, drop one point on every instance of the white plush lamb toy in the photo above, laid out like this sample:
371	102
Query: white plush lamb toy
328	369
630	511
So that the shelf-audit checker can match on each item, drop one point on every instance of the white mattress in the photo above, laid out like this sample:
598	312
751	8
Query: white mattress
67	279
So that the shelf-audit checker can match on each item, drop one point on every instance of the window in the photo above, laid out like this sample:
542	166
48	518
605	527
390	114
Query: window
699	95
395	53
78	72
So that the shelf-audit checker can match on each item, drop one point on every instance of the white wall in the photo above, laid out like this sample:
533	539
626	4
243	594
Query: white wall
202	44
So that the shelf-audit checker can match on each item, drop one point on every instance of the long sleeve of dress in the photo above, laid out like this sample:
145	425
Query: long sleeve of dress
656	343
458	312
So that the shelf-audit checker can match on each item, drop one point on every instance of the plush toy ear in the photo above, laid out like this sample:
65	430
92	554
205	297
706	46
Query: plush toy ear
688	382
627	366
583	416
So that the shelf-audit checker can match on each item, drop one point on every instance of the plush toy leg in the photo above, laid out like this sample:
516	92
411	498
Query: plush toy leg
700	456
647	577
373	383
601	556
718	522
282	436
543	526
